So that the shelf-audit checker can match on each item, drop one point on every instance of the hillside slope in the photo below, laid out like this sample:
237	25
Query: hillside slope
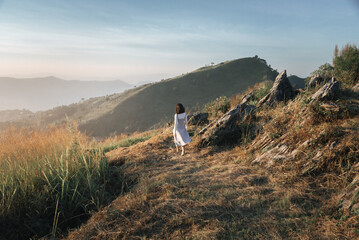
296	81
296	179
45	93
154	104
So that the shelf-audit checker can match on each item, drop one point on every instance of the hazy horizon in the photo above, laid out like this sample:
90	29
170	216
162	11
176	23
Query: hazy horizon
136	41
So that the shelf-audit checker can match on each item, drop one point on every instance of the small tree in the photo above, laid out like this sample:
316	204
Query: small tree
326	71
346	64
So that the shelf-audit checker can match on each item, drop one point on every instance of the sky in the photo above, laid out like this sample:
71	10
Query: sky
147	40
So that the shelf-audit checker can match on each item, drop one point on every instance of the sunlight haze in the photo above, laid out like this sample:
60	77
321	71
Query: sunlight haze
150	40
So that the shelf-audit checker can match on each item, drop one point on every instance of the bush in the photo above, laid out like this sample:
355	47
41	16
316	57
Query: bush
346	64
261	92
326	71
217	107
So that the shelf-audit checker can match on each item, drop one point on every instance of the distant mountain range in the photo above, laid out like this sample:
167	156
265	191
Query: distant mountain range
36	94
153	104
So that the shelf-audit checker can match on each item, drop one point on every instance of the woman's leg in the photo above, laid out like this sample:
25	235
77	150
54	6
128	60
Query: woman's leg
177	148
183	151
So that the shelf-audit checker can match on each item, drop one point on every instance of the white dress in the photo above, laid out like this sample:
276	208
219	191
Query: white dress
179	131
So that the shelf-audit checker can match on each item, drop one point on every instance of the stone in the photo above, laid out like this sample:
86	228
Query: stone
247	97
226	129
276	154
350	198
356	88
281	91
198	119
315	80
328	91
330	107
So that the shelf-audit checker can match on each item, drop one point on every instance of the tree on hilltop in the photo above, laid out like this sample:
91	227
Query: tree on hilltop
346	64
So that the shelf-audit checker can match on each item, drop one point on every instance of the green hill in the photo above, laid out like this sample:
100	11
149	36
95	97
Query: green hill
154	104
296	81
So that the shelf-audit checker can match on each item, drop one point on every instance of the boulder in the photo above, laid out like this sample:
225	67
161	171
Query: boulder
276	154
198	119
328	91
281	91
349	199
356	88
315	80
247	97
226	129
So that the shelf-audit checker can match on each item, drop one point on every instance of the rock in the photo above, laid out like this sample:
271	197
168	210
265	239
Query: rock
356	88
276	154
315	81
247	97
330	107
281	91
328	91
350	198
226	129
198	119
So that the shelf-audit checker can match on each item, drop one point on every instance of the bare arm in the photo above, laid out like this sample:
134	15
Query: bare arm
175	126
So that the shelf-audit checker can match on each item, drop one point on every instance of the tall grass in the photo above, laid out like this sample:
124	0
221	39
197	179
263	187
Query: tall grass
49	179
124	140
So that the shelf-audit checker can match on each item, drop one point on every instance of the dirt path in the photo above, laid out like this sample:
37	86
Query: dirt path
202	195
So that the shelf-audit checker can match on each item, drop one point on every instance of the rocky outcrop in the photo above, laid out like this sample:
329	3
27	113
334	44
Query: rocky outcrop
328	91
198	119
277	153
227	129
350	198
246	98
281	91
315	80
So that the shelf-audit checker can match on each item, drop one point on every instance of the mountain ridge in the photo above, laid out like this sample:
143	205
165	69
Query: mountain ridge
151	105
43	93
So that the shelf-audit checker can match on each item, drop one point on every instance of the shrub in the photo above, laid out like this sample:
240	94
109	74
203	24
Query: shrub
261	92
217	107
346	64
326	71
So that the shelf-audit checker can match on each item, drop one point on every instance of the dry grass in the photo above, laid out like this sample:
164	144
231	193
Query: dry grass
50	179
213	193
216	193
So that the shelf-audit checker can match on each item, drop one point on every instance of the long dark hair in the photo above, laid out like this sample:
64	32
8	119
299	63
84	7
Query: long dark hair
179	108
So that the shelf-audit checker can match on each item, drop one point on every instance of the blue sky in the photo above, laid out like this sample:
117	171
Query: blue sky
150	40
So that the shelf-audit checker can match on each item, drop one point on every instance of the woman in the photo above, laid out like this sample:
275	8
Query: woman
180	133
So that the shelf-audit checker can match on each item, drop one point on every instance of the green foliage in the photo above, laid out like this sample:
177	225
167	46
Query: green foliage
346	65
126	143
259	93
326	71
217	107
